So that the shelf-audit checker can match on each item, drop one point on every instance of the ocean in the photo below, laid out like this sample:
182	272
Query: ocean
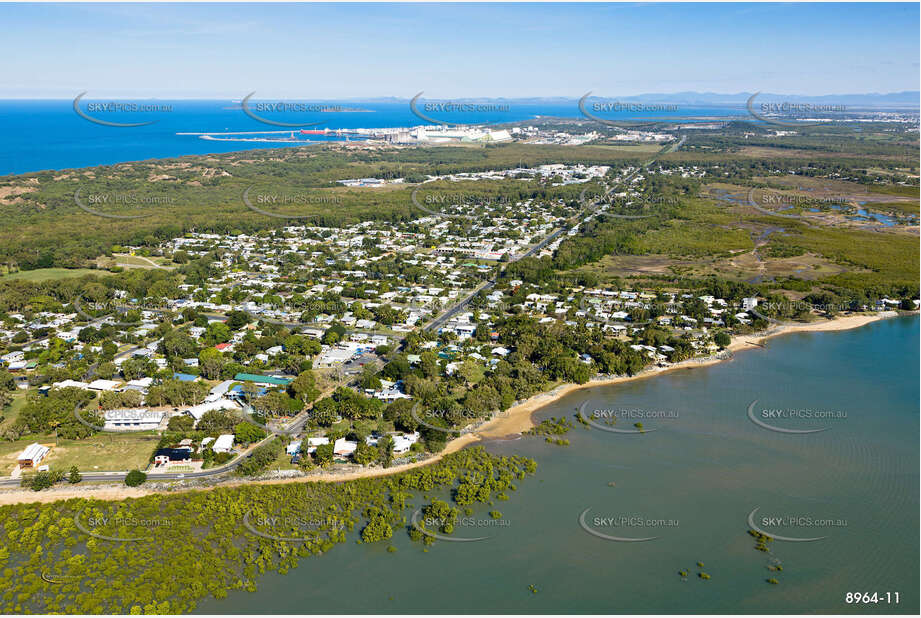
49	135
691	481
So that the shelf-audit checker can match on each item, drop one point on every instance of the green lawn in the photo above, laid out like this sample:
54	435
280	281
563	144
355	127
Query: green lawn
12	412
123	259
105	451
46	274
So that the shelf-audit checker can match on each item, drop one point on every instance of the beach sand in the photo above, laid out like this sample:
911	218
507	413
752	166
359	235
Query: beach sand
513	421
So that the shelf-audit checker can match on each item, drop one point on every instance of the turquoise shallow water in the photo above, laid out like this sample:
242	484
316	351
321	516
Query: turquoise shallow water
693	482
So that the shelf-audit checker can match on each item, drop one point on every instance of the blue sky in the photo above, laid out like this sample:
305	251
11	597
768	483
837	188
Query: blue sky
498	50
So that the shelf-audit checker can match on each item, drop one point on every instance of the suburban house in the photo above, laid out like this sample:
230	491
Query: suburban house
165	456
344	448
223	444
13	357
196	412
262	380
132	420
313	443
403	443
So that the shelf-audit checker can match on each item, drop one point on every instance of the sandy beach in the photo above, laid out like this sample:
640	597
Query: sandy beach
513	421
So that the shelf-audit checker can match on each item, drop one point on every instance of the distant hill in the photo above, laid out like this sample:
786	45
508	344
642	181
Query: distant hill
903	99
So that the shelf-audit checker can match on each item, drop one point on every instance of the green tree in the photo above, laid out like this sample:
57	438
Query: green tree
247	433
385	451
324	454
369	379
210	363
181	423
304	387
217	332
378	527
334	334
364	453
324	412
135	478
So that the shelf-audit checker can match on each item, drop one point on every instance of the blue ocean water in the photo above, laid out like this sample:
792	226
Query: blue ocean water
691	482
49	135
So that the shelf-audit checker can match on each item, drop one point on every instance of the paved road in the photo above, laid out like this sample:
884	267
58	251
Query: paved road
153	476
488	285
454	310
299	421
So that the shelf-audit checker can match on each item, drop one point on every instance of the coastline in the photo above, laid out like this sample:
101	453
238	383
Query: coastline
514	421
518	418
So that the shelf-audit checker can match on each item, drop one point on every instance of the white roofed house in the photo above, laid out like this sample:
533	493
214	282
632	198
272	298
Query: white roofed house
313	443
132	420
71	384
140	385
196	412
403	443
32	455
219	391
13	357
344	448
104	385
223	444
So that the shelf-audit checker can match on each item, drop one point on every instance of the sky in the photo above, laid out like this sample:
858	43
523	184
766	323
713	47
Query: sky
326	51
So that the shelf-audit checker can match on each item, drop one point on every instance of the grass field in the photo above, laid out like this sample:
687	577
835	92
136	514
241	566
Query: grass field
12	412
47	274
103	452
138	261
